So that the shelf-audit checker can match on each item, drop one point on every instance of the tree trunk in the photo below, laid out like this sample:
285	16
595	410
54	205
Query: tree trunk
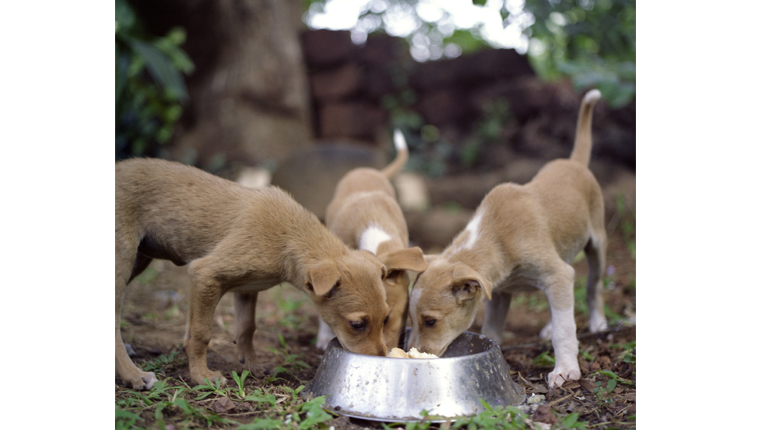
249	98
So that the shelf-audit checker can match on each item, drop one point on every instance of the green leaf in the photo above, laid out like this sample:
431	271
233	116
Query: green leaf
160	68
611	384
543	360
570	420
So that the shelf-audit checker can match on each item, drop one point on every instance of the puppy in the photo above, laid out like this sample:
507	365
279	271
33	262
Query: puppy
364	214
521	237
240	240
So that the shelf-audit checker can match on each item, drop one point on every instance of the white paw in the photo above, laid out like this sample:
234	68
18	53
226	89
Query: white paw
546	332
558	376
597	323
144	381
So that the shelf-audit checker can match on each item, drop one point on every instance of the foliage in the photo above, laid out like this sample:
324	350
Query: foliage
591	41
150	87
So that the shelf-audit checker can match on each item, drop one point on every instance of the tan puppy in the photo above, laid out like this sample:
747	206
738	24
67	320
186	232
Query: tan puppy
521	237
241	240
364	214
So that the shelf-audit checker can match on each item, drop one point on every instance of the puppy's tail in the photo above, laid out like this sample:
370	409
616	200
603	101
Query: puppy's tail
402	154
582	147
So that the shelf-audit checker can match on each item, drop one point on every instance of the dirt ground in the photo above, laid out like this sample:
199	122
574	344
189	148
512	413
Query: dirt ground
155	311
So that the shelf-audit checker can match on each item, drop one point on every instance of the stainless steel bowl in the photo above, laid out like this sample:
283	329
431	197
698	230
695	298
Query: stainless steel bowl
399	389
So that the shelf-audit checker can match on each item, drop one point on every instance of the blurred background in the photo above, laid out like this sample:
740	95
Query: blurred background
297	92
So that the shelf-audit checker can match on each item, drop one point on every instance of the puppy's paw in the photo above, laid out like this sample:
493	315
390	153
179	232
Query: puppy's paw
597	323
546	332
143	381
558	376
198	377
246	355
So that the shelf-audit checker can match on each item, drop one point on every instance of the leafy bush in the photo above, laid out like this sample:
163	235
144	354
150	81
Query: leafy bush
150	87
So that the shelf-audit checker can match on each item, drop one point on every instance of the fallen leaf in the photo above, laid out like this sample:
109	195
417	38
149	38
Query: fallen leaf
587	385
545	414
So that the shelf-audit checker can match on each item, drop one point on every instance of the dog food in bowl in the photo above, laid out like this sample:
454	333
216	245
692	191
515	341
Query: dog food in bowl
413	353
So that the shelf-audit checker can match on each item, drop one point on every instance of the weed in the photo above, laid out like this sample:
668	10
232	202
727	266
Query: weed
210	389
628	355
125	419
289	360
158	364
543	360
614	377
240	381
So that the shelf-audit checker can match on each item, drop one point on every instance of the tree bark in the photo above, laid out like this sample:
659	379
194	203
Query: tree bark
249	98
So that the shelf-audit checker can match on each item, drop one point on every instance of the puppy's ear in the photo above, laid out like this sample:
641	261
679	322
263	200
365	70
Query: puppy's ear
405	259
466	281
321	278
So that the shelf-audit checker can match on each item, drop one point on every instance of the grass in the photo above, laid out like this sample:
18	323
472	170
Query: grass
273	405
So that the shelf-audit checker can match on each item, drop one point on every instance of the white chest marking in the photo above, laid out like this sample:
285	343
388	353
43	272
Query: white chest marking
372	238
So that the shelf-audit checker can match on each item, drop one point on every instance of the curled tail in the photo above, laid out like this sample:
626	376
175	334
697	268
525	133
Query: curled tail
402	154
582	147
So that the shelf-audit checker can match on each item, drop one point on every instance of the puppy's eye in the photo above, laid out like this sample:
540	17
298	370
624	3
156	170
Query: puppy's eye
357	325
430	322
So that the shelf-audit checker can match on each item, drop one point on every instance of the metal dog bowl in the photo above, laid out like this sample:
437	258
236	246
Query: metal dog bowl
399	389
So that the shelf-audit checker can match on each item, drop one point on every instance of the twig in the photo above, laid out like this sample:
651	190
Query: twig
554	402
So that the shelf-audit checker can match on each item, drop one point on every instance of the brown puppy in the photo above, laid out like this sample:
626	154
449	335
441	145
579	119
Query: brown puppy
241	240
521	237
364	214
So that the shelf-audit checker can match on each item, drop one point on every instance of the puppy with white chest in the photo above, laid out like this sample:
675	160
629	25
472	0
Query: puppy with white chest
240	240
364	214
521	237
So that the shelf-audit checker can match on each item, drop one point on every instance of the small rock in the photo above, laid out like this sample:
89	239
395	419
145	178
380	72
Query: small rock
223	405
535	399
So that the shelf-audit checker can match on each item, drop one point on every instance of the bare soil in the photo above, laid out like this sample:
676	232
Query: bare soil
156	307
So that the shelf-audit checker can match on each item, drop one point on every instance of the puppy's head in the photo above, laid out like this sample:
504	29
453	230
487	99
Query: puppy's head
398	264
349	295
443	304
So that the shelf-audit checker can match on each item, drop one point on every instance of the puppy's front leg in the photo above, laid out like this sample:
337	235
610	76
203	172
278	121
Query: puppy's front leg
559	291
245	327
205	293
496	315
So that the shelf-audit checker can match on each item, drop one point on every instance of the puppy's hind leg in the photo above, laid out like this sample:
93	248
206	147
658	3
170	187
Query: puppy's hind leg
128	265
496	315
245	327
595	253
